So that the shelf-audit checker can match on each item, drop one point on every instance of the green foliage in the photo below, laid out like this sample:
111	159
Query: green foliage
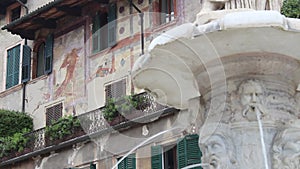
12	122
13	126
124	105
291	8
110	111
62	127
15	143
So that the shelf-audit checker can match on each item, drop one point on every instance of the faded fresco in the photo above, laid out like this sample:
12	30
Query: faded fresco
69	70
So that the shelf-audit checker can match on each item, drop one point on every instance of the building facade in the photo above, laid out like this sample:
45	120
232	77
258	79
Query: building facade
74	57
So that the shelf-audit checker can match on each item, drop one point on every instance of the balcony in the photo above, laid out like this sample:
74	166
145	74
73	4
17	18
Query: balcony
92	124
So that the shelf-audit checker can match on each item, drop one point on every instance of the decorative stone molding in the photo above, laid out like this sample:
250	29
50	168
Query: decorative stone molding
217	146
286	147
238	128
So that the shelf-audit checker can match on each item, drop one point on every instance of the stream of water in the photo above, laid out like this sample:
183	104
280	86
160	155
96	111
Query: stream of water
262	137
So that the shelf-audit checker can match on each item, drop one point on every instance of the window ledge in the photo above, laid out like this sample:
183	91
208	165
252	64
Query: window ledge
43	77
100	53
11	90
159	28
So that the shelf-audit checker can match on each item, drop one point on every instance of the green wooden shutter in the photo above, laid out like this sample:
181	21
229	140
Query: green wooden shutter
49	53
131	163
26	63
92	166
96	33
112	24
156	157
13	66
122	164
193	151
9	69
181	153
128	162
188	151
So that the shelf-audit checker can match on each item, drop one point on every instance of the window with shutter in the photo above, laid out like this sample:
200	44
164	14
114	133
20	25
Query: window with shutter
40	65
128	163
156	157
49	53
104	29
13	66
53	113
26	60
112	24
115	90
188	151
163	157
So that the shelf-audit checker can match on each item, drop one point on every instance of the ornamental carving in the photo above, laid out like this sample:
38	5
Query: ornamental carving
235	141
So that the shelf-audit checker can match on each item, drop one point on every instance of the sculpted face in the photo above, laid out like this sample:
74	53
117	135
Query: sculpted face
251	93
287	154
215	153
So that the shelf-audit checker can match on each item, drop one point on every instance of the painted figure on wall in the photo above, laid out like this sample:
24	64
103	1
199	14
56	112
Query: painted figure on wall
286	148
70	64
218	149
108	67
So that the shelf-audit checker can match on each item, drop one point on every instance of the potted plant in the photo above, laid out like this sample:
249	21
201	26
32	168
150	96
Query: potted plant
63	129
110	111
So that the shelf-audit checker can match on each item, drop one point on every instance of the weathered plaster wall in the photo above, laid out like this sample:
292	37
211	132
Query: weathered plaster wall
68	74
34	4
12	100
29	164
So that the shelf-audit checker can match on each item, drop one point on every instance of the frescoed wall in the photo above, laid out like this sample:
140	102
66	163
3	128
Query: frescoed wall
68	66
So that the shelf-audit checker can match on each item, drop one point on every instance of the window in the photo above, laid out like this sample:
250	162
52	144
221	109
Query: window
15	13
165	157
92	166
44	57
128	163
167	10
53	113
169	157
13	66
185	153
104	29
115	90
40	67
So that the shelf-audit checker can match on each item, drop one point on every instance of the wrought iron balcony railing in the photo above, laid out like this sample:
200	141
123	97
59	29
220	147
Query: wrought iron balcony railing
92	122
